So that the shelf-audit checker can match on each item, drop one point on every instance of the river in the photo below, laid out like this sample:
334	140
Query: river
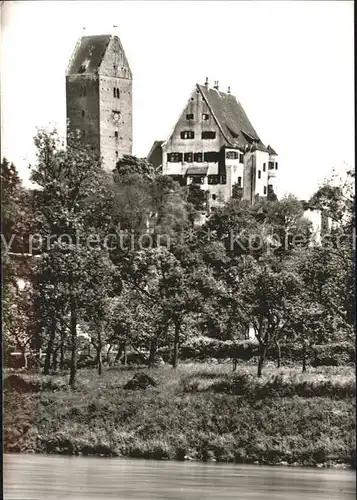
40	477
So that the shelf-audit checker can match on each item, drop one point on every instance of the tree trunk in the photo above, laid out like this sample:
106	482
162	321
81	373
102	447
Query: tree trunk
304	358
125	355
99	347
47	365
278	352
108	355
118	355
170	351
153	347
63	335
176	346
54	359
73	330
263	353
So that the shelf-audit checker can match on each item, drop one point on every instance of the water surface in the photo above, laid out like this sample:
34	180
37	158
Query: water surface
42	477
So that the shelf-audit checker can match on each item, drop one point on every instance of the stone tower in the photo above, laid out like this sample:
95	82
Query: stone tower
99	96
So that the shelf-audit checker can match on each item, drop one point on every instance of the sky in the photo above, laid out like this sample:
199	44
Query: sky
289	63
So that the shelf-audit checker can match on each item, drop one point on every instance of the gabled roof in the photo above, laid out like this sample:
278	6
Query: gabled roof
155	155
156	145
271	151
231	118
88	54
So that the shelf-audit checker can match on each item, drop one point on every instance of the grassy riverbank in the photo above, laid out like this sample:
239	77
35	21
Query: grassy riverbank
201	412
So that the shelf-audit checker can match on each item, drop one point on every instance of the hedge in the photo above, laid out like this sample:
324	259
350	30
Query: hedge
204	348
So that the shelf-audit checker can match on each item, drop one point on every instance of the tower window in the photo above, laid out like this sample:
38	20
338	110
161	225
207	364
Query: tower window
187	134
208	134
239	181
116	135
265	190
116	92
189	116
259	174
116	154
264	167
205	116
241	158
83	112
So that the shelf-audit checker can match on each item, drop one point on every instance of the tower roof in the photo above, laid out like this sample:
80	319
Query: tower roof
88	54
231	118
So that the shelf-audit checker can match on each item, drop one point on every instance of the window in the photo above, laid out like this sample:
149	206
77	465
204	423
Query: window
116	134
116	92
241	158
198	157
211	156
222	179
208	134
264	167
265	190
213	179
232	155
187	134
116	154
189	116
188	157
259	174
276	166
205	116
214	196
239	182
83	112
174	157
271	165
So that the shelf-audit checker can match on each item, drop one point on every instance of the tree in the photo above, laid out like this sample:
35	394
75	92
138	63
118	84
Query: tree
73	207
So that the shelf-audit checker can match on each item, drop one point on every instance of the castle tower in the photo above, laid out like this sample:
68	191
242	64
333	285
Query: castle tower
99	96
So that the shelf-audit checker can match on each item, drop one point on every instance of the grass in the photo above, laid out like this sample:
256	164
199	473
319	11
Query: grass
200	411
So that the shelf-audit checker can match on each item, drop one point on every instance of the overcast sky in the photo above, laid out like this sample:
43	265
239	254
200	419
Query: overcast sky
289	63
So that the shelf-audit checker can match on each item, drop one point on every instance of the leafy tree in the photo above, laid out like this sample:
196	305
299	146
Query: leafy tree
73	211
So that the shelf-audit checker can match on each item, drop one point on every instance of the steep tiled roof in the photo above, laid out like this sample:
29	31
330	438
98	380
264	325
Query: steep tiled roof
88	54
231	118
155	155
271	151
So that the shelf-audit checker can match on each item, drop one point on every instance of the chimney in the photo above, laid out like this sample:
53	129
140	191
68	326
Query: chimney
216	85
229	90
206	83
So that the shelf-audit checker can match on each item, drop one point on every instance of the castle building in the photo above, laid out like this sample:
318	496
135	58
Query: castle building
214	145
99	96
